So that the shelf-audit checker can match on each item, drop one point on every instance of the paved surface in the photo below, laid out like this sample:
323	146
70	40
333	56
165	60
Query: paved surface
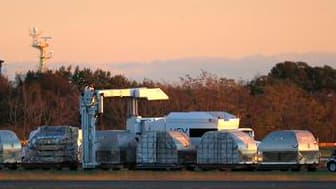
170	184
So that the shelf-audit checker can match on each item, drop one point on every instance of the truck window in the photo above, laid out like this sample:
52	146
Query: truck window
199	132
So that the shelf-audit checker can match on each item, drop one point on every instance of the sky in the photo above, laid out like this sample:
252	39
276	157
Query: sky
115	34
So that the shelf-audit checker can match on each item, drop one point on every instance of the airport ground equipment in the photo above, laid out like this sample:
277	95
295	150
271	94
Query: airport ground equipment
10	149
193	124
91	106
289	149
225	149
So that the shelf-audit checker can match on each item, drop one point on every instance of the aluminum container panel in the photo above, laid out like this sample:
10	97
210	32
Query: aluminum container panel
52	144
10	147
290	146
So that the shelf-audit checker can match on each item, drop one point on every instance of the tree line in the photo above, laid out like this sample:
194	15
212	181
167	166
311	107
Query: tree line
293	95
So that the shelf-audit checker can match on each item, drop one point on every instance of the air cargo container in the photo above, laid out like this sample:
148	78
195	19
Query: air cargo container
115	149
289	149
164	149
10	149
227	149
52	146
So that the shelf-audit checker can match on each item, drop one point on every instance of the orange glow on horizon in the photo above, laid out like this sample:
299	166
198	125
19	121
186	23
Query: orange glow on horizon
121	31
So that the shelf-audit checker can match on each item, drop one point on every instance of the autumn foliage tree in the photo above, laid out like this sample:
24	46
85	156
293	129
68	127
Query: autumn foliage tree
293	95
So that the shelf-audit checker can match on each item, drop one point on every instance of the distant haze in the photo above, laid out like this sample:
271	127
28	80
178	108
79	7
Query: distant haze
245	68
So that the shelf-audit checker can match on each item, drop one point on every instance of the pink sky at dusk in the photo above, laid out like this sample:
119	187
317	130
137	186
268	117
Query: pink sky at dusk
101	31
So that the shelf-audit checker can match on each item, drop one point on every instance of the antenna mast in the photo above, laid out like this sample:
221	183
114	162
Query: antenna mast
41	43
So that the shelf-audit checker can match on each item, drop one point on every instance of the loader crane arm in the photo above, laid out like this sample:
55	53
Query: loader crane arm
91	106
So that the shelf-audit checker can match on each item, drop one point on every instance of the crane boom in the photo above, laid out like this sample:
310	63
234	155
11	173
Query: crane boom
91	104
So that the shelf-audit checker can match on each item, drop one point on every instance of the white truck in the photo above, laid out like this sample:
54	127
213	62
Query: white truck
193	124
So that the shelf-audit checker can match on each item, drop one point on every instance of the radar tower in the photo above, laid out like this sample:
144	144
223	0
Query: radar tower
42	44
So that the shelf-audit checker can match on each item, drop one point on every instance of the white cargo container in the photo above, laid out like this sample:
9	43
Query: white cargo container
227	149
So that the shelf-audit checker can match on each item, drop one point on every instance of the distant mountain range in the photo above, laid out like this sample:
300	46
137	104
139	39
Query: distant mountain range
245	68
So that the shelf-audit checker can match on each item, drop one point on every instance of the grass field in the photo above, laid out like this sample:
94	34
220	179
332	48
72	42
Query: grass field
100	175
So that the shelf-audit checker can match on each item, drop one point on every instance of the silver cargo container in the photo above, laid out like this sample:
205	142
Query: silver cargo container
52	146
115	149
289	149
10	148
164	149
226	149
